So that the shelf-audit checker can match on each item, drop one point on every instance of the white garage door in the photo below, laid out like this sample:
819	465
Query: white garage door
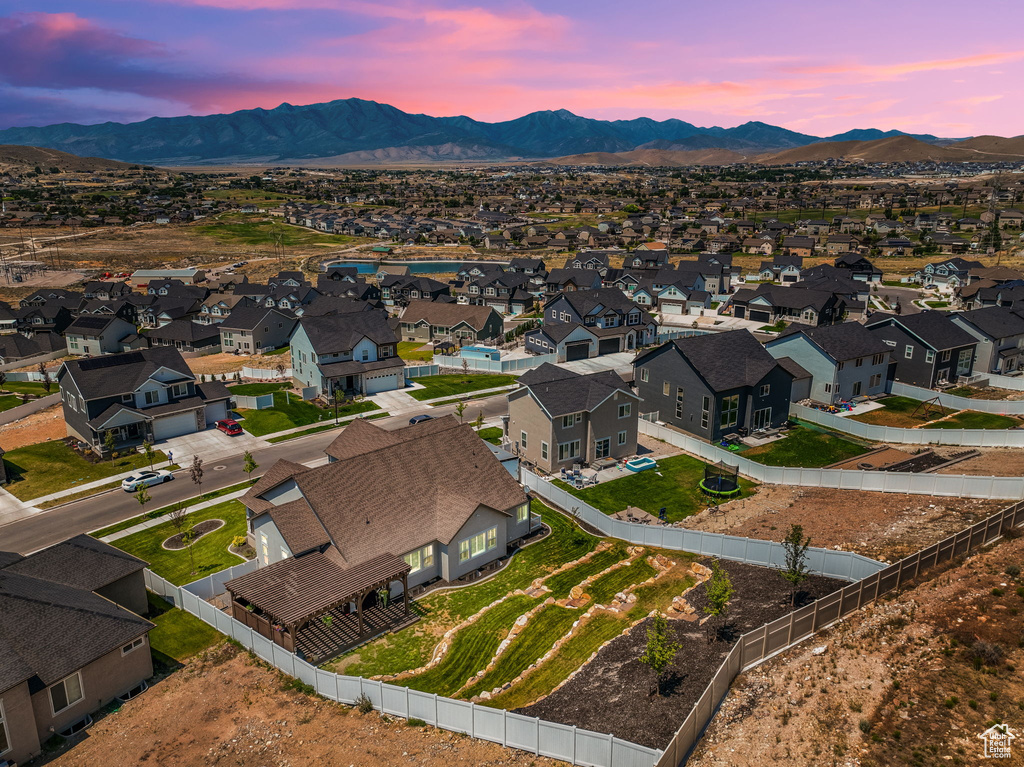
672	308
387	382
175	425
216	411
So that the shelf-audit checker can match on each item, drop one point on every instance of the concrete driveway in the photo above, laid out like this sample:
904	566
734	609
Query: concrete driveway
208	444
620	362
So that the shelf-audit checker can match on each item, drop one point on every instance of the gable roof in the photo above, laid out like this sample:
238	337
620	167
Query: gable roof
332	333
561	391
585	302
725	361
934	328
81	562
995	321
116	373
448	314
844	341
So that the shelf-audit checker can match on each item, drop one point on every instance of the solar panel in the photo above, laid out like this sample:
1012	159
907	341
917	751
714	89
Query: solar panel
111	361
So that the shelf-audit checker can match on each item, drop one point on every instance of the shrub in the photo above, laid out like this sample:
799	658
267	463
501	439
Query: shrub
1013	571
973	704
865	726
993	696
364	704
239	540
990	654
951	701
290	683
997	592
415	722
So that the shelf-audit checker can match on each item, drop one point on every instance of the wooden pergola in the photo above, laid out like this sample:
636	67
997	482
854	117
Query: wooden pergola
279	600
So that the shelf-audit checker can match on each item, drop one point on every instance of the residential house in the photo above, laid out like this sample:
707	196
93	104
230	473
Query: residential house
186	336
999	331
714	385
92	335
146	394
775	303
398	290
800	247
589	323
568	280
858	267
558	418
953	272
252	330
71	640
458	323
784	269
354	353
845	361
928	348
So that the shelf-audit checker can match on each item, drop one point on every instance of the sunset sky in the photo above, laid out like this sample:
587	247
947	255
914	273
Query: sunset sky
821	68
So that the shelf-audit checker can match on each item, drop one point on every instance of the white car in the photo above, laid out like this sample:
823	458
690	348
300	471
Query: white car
139	479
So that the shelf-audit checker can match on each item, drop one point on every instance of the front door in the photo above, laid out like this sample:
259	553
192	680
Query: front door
603	448
762	418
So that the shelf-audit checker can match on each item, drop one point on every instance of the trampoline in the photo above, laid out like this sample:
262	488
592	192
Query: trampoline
720	480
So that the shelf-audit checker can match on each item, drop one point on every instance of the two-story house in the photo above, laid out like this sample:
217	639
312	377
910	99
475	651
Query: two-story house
558	418
251	330
588	323
782	269
714	385
928	348
146	394
953	272
354	353
845	360
399	290
999	331
91	335
458	323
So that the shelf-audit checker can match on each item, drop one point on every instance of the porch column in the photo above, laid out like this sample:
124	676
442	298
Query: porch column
359	611
405	592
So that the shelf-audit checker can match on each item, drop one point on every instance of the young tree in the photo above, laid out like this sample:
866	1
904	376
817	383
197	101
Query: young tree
460	409
465	366
195	471
47	381
109	442
149	452
142	496
796	571
719	590
661	650
479	422
3	379
250	464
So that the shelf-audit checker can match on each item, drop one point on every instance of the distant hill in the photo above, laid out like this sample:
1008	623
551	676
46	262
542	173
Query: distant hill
14	157
355	131
653	158
902	149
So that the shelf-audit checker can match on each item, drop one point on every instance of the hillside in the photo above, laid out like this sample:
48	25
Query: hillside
653	157
19	158
903	149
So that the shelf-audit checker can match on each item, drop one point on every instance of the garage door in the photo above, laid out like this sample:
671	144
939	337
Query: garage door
579	351
608	346
175	425
672	308
216	411
388	382
760	316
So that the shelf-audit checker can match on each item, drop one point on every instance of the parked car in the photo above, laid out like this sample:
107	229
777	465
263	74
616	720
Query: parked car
133	482
229	427
420	419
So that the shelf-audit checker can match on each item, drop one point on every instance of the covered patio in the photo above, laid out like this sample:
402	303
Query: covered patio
315	607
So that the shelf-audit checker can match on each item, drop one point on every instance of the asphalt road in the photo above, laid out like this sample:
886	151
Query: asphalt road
62	522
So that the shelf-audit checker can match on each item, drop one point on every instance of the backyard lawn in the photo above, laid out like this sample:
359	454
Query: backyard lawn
8	401
411	351
178	635
28	387
899	411
972	419
492	434
806	448
673	484
290	411
49	467
210	551
452	385
258	389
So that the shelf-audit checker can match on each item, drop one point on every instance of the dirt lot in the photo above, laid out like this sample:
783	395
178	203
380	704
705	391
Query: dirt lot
38	427
226	709
884	526
614	692
898	683
230	363
993	462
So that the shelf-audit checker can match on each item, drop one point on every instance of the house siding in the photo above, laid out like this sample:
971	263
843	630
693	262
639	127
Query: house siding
21	725
823	370
482	519
129	592
916	370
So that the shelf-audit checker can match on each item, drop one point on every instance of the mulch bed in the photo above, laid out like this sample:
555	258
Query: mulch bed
175	543
614	693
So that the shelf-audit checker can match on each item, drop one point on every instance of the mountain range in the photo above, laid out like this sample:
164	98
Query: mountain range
356	131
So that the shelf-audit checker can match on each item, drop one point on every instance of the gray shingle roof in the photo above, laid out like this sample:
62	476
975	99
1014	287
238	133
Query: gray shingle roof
562	391
341	332
81	562
727	360
996	321
932	327
845	341
115	373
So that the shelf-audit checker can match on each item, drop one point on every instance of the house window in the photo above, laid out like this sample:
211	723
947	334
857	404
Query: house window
908	352
152	397
705	412
478	544
66	693
645	374
133	645
179	390
856	389
522	439
366	354
944	357
544	450
929	356
266	548
665	388
5	739
878	359
572	418
127	397
568	450
765	389
624	410
729	414
385	351
73	343
841	365
622	438
523	512
828	388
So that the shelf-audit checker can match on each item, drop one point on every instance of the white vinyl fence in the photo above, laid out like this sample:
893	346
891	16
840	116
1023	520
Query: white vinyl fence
895	434
1001	406
418	371
526	733
1013	383
495	366
266	374
669	335
258	402
951	485
753	551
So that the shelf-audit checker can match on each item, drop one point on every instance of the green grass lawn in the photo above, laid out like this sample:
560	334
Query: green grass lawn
9	401
178	635
154	513
411	352
672	485
452	385
256	229
277	352
805	448
257	389
290	411
899	411
28	387
492	434
440	611
49	467
971	419
937	304
211	550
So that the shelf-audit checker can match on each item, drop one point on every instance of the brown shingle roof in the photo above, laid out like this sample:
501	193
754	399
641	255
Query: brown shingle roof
299	526
448	315
81	562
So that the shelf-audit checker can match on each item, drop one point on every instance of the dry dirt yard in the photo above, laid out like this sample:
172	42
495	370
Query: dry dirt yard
38	427
885	526
912	680
993	462
225	708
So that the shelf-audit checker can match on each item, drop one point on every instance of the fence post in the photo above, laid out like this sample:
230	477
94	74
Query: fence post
504	728
814	617
611	749
436	724
536	722
472	722
574	744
